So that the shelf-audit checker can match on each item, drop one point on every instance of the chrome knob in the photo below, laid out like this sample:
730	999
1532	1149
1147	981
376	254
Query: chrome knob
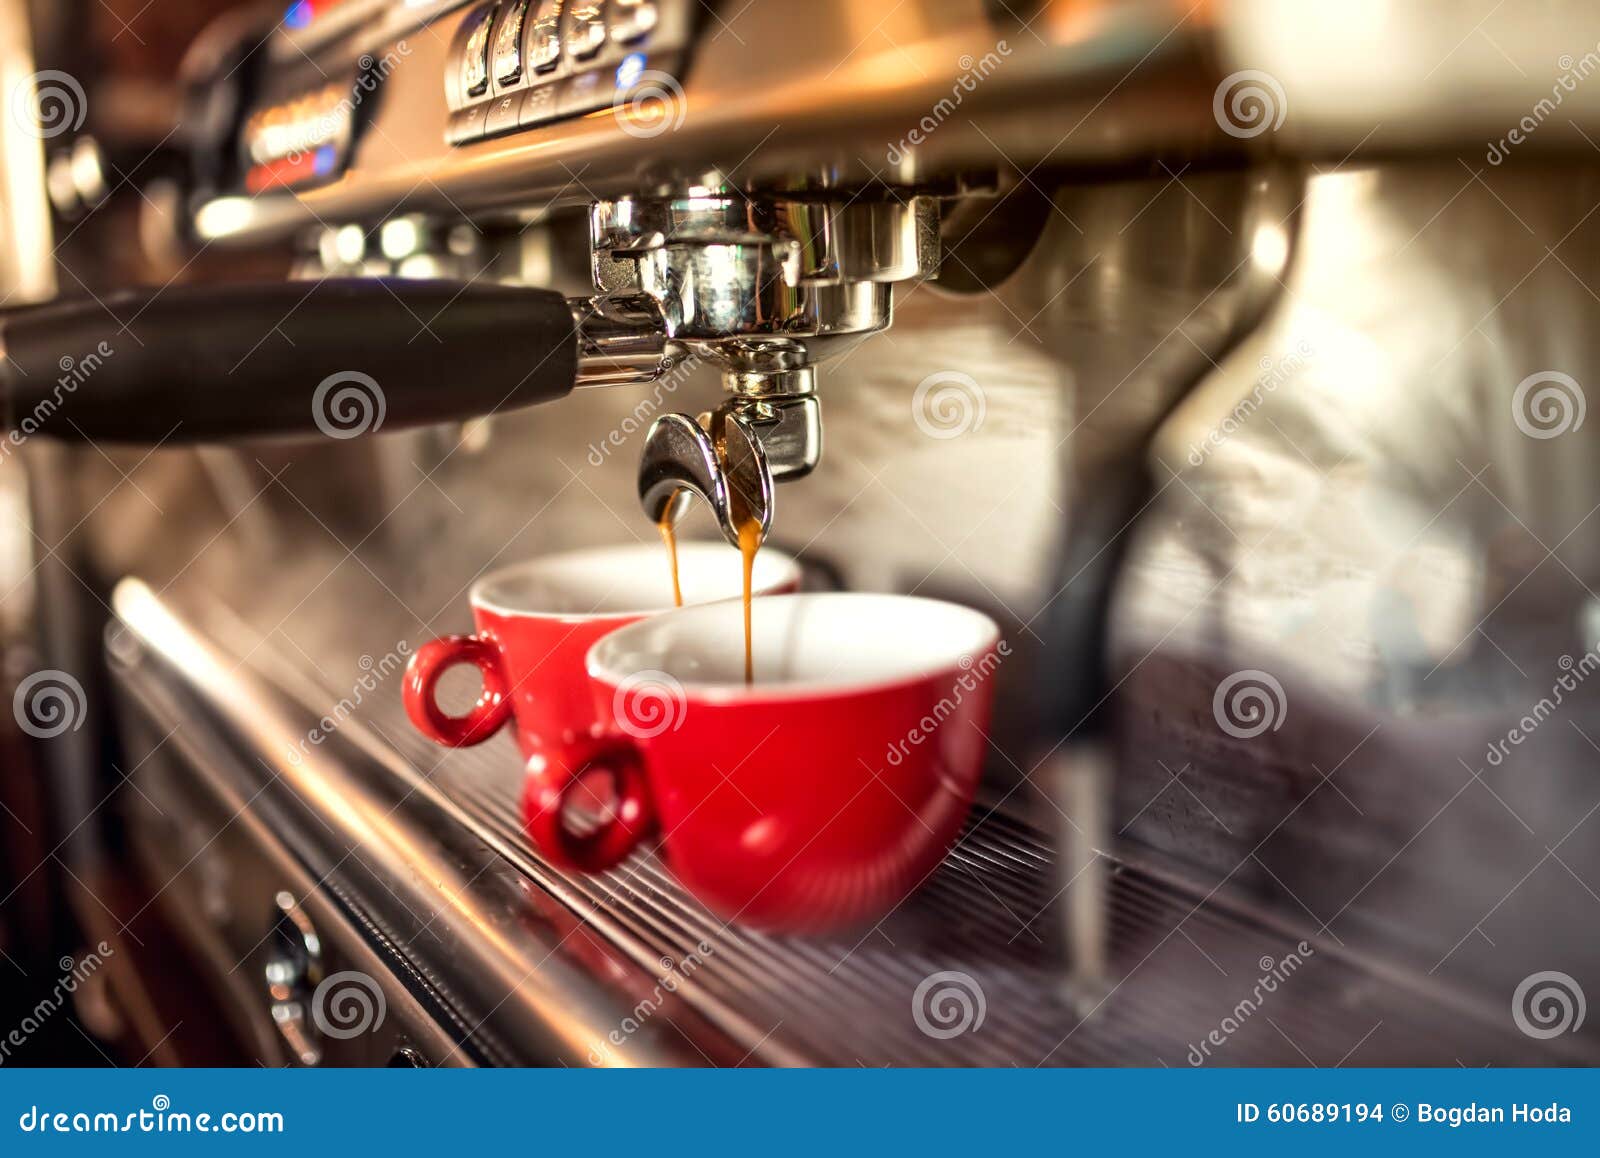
544	44
631	19
292	970
586	29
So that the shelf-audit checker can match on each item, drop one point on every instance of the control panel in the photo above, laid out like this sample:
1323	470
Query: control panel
322	71
300	140
518	64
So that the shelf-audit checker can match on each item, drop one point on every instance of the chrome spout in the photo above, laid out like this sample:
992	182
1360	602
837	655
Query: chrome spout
768	431
718	458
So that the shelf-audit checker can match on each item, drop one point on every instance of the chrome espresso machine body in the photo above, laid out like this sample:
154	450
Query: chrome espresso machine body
1197	344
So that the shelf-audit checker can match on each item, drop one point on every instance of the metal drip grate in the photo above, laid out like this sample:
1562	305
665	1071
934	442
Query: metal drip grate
1190	966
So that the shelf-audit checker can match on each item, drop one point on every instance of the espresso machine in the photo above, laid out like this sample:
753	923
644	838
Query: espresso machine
1203	346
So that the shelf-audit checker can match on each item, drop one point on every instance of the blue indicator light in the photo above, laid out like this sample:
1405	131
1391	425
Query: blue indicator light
299	14
322	164
630	70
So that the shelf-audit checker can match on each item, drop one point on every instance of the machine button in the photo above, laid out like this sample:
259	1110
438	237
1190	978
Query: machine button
508	45
586	92
544	46
502	115
466	125
539	105
586	29
632	19
475	68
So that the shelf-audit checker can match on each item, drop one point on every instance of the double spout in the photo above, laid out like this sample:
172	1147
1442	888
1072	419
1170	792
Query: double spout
768	430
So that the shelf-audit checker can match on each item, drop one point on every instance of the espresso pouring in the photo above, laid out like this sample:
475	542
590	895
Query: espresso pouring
750	533
750	538
669	536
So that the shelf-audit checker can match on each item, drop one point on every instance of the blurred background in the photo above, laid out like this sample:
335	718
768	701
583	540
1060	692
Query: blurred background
129	54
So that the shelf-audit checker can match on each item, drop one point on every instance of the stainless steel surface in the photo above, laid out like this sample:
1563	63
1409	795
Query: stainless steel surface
295	966
629	19
769	431
1380	512
585	28
839	84
783	416
1381	79
621	341
758	284
764	287
846	92
377	845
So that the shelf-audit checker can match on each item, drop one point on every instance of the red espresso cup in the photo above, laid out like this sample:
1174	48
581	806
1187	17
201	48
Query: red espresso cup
537	620
816	798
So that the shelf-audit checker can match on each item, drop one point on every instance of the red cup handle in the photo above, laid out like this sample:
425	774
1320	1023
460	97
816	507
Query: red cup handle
485	718
551	778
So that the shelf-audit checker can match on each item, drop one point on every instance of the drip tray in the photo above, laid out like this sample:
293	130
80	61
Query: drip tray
962	973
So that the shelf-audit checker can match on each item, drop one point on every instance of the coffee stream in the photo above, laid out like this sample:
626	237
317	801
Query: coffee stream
750	537
749	544
669	536
746	522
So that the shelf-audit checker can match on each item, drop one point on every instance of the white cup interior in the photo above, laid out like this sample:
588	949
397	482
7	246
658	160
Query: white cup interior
803	644
635	579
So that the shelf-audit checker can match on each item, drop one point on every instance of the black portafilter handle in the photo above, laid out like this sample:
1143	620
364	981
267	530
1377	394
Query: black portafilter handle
338	357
